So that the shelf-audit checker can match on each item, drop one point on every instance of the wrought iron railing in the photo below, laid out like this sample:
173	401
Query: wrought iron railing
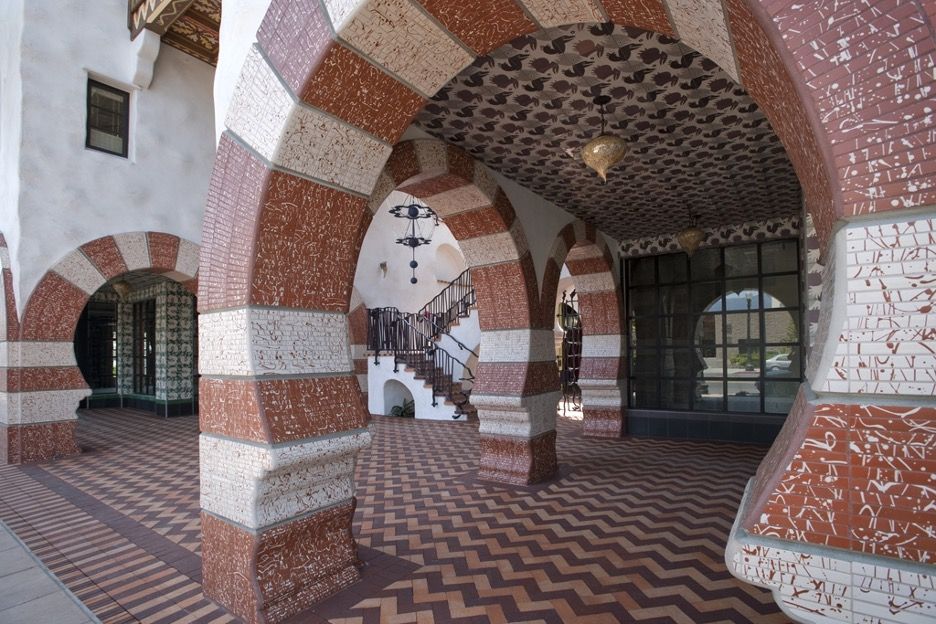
403	335
570	360
454	302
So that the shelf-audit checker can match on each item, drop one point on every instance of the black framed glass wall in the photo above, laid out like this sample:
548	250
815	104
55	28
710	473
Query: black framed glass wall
719	332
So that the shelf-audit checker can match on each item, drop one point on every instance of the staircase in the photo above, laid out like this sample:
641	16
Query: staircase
412	339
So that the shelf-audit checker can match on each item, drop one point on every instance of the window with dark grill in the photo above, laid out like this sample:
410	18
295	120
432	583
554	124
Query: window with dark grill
144	347
108	118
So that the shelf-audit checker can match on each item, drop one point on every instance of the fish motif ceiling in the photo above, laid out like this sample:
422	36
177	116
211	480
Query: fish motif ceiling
696	140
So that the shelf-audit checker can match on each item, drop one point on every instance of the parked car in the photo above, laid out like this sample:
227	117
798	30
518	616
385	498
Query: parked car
778	362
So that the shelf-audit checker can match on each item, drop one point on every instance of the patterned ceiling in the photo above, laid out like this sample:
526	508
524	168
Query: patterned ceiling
196	31
696	139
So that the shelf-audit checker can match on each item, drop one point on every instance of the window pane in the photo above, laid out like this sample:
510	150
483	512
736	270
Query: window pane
681	363
782	362
642	271
742	328
743	396
644	331
673	268
742	294
645	364
779	395
741	260
707	297
744	360
643	301
781	326
781	292
708	331
714	362
779	256
674	299
705	264
677	330
709	395
107	118
674	393
644	393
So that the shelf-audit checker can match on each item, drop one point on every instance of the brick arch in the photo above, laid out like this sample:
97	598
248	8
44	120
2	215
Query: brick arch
42	382
516	362
602	377
321	100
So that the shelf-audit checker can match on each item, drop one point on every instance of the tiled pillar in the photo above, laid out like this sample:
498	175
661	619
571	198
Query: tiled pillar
838	520
516	392
281	413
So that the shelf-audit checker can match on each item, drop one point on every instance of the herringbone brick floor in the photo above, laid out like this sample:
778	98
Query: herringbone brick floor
632	531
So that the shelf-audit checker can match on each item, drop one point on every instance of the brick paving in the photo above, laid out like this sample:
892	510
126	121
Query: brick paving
632	530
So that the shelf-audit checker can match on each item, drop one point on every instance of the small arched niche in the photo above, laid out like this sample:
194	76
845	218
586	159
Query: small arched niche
395	394
449	263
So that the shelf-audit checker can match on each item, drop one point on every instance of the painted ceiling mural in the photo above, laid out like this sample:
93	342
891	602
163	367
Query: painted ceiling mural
696	140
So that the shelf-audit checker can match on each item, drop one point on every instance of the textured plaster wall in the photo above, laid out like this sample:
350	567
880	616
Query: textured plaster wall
160	187
11	99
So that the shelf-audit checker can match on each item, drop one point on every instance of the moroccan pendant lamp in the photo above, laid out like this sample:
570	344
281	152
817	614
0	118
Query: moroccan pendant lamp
691	237
413	236
605	150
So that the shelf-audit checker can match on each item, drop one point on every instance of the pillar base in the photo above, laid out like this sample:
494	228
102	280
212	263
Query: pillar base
603	423
21	444
269	575
519	461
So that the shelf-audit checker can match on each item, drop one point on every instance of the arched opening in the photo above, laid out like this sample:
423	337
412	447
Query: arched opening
398	400
449	263
136	346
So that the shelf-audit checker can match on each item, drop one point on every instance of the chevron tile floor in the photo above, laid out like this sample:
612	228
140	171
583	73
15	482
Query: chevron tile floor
633	530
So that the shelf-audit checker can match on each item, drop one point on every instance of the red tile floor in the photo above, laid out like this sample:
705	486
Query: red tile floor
633	530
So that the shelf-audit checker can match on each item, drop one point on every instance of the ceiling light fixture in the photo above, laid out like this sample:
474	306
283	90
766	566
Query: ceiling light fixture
413	235
605	150
691	237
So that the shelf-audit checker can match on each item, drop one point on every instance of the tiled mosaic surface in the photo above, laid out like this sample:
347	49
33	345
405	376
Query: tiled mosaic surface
633	530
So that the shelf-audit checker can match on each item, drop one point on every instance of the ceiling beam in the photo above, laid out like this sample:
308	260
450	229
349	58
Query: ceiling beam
155	15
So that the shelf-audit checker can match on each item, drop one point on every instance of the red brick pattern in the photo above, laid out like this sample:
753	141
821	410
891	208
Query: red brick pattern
603	423
44	378
506	297
281	571
229	226
852	477
53	309
481	24
105	255
516	378
281	410
403	163
21	444
474	223
520	461
301	220
767	78
603	368
163	250
12	315
646	14
295	35
875	101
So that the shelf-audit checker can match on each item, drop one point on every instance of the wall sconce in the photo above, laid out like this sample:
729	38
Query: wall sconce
383	268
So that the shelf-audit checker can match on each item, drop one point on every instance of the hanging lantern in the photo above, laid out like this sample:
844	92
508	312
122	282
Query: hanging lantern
691	237
415	235
605	150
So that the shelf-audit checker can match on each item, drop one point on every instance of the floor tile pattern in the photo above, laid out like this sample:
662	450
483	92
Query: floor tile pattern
631	531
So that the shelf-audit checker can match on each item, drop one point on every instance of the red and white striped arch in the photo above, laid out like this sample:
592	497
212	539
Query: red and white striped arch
41	383
323	97
602	377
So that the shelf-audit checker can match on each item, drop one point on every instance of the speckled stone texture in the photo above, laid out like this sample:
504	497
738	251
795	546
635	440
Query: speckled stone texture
603	423
519	461
20	444
267	576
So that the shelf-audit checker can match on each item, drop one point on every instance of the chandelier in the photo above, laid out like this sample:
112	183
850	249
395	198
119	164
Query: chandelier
691	237
415	235
605	150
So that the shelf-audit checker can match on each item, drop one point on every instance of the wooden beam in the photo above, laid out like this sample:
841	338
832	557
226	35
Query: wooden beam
155	15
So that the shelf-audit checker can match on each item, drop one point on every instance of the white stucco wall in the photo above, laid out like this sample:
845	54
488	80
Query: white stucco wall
86	194
11	98
379	374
